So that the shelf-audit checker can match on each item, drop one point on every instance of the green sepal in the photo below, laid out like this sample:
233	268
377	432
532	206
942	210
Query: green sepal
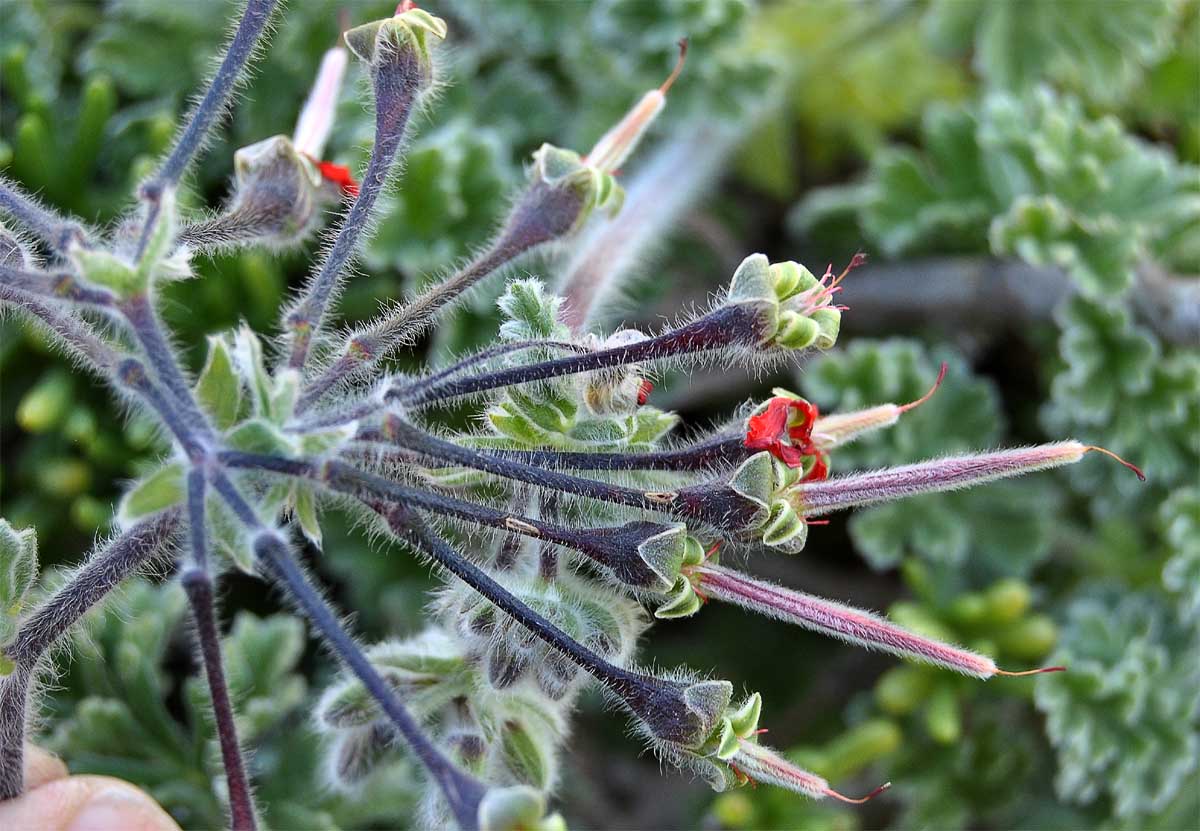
796	331
409	29
162	489
259	436
284	392
558	167
18	573
219	389
729	742
755	480
708	701
664	553
305	507
249	357
682	601
789	278
525	758
159	244
784	528
103	268
651	424
230	540
515	426
829	324
744	719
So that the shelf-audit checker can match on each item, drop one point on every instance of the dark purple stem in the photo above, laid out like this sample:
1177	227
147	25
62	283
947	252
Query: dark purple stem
198	584
730	325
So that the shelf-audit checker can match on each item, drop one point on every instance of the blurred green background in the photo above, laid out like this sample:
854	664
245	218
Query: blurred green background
1023	176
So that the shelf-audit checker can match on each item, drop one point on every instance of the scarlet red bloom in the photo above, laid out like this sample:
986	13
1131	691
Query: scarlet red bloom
791	419
340	175
644	392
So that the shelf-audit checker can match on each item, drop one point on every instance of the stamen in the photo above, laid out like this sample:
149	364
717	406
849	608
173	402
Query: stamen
912	405
667	84
861	800
1137	470
1030	671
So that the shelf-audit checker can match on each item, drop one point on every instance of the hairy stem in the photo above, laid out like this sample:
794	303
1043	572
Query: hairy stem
147	328
405	435
462	791
100	575
57	233
615	548
709	454
396	86
198	584
132	373
727	326
710	502
73	334
60	286
216	98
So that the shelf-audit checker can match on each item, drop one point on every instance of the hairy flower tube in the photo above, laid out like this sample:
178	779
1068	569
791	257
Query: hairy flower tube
558	512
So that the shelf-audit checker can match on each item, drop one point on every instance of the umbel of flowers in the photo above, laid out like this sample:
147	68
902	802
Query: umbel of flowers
557	523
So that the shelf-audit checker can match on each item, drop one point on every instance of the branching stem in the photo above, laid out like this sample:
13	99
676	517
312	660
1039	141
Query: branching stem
54	618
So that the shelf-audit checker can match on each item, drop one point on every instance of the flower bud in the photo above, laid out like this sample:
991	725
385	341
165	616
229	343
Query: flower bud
411	30
519	808
797	307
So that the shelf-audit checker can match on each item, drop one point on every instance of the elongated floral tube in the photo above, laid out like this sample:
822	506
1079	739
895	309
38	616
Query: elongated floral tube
832	618
952	473
762	764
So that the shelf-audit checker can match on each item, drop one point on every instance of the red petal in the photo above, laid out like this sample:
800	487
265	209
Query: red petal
644	392
820	469
764	430
340	175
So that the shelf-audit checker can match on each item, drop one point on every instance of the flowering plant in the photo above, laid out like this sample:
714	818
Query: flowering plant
557	522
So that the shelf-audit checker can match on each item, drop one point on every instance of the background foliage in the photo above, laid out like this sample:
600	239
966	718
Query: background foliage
1062	136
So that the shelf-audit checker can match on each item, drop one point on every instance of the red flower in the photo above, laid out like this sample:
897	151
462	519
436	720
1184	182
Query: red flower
644	392
793	419
340	175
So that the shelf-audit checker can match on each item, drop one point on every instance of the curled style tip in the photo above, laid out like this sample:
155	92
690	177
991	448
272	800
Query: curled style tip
855	261
860	800
912	405
1023	673
1137	470
670	82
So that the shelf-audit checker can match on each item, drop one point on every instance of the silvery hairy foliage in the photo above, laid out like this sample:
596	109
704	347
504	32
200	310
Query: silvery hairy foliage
564	520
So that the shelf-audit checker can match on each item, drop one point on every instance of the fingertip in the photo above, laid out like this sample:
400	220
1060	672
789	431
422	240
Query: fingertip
42	766
116	806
